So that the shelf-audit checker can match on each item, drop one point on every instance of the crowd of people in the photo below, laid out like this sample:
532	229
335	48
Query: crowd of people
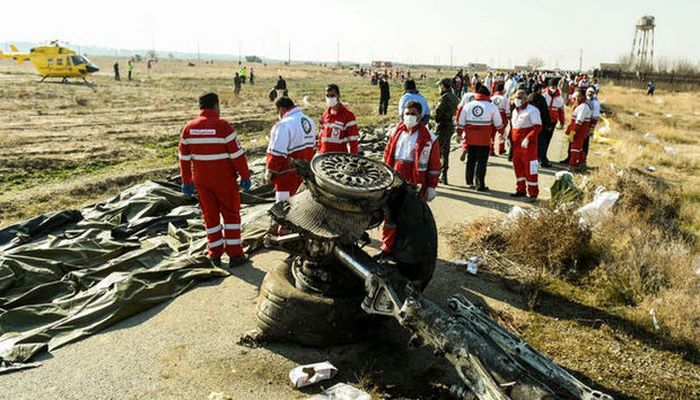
512	114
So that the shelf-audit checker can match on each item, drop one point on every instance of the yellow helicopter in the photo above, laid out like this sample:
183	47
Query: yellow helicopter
54	61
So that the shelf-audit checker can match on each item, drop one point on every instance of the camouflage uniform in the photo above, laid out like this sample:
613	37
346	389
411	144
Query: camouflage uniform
444	116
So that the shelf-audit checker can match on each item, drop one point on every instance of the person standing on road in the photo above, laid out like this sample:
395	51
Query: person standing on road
237	84
211	160
555	109
129	68
526	125
538	100
338	125
116	72
412	94
592	97
252	77
281	84
476	123
292	138
383	95
444	117
651	88
564	88
503	104
413	152
578	129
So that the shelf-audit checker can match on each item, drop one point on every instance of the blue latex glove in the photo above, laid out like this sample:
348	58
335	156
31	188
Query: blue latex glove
245	184
187	189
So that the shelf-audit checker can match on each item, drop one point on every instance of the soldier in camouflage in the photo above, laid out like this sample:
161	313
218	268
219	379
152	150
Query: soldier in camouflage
444	117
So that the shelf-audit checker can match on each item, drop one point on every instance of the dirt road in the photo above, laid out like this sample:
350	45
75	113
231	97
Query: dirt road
187	348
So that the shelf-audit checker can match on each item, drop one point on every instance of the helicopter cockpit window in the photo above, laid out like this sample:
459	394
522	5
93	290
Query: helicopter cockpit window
68	61
78	60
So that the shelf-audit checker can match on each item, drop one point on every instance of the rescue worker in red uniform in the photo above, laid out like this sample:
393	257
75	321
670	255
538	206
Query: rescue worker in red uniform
338	125
526	125
293	137
211	160
477	123
414	153
503	104
578	129
555	106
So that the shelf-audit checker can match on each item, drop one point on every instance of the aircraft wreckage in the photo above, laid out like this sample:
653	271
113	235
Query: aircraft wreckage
329	274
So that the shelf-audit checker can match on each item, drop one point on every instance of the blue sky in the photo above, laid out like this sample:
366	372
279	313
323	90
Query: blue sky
499	33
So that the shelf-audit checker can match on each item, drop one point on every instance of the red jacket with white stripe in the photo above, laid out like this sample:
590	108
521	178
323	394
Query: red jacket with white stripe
501	101
210	153
294	137
581	118
415	156
555	104
526	122
477	120
338	131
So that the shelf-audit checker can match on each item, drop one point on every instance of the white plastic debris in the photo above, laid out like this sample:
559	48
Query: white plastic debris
305	100
669	115
473	265
218	396
594	211
516	212
671	150
636	114
651	138
654	320
309	374
650	168
342	391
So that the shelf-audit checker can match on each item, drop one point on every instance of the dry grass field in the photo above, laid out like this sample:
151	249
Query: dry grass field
70	145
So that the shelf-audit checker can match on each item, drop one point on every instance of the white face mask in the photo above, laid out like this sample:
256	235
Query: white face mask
332	101
410	120
518	102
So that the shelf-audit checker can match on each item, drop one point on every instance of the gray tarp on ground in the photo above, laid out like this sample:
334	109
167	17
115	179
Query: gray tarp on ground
69	274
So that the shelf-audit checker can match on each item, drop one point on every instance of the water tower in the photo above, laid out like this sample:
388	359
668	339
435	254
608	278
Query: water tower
642	56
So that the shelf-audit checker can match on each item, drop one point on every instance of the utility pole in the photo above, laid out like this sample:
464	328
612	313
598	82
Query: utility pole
239	53
337	51
289	53
580	60
450	56
197	49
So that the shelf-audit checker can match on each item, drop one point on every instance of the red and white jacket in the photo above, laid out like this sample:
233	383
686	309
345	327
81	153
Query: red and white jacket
210	153
293	137
581	118
477	120
501	101
555	104
526	123
415	156
338	131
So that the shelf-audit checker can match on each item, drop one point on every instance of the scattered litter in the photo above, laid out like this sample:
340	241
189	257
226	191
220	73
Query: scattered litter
563	189
671	150
650	137
472	264
218	396
603	201
515	213
654	320
309	374
696	264
604	129
636	114
650	168
305	100
669	115
342	391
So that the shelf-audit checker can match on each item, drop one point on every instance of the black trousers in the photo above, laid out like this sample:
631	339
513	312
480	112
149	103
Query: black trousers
383	106
543	140
477	158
